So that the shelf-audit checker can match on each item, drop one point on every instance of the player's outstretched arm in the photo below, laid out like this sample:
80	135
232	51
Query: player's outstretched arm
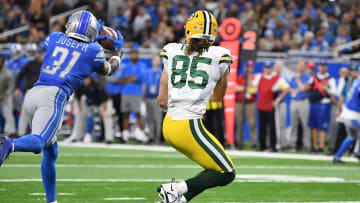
220	88
163	90
109	67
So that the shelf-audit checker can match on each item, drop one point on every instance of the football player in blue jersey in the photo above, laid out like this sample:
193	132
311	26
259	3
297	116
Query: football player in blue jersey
351	117
68	60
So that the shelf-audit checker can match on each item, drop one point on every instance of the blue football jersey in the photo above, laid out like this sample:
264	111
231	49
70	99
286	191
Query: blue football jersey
353	100
67	62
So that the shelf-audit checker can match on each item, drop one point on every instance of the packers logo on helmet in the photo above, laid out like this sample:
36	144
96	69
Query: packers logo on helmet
201	24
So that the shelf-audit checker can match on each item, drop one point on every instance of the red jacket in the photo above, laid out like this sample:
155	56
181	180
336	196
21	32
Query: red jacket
266	95
239	95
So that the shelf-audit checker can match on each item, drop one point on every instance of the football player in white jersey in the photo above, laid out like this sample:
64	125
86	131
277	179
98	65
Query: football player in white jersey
194	73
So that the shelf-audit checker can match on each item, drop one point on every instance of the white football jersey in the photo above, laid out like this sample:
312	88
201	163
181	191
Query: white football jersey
192	79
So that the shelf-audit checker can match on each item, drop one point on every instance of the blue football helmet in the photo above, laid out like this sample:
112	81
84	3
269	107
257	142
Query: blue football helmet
82	25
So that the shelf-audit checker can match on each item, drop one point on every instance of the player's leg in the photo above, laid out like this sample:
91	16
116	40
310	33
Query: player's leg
48	171
46	121
192	139
352	132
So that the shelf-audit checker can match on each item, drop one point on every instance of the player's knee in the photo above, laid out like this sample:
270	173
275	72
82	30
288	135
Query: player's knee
228	177
39	146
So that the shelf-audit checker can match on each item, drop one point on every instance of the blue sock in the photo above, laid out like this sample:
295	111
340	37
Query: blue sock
48	171
29	143
344	146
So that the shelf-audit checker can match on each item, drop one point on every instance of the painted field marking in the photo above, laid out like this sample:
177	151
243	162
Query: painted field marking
114	155
2	189
125	198
239	178
187	166
234	153
37	194
60	194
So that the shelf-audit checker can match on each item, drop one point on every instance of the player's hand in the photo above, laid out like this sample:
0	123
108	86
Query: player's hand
119	44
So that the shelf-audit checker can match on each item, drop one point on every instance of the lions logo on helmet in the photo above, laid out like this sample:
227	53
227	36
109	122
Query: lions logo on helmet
82	25
202	25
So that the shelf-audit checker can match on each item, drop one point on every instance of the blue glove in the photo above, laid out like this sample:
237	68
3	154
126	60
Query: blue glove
100	24
119	44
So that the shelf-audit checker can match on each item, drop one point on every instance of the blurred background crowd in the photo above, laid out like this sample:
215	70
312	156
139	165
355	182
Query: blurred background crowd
123	107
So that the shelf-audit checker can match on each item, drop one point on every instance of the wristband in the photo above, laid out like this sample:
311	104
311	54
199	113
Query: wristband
116	58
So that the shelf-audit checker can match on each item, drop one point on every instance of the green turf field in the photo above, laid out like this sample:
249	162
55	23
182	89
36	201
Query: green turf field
119	175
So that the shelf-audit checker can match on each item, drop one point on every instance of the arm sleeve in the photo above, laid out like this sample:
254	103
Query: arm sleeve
280	84
45	43
99	57
164	57
225	61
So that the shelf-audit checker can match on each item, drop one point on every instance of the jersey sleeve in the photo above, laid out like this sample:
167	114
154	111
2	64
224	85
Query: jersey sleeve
225	60
99	57
164	56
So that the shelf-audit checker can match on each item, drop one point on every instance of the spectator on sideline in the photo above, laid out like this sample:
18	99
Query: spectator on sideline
91	97
132	77
6	99
268	83
151	91
300	106
282	133
113	88
30	74
250	106
321	97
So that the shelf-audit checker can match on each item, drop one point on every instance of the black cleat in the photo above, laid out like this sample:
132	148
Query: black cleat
337	161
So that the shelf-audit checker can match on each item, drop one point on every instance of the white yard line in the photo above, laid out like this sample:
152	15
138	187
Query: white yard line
124	198
234	153
60	194
239	178
114	155
187	166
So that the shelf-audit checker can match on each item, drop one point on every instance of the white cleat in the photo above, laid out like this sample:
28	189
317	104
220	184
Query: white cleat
169	193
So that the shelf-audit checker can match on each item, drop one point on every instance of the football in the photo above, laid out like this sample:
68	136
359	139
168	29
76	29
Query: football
108	32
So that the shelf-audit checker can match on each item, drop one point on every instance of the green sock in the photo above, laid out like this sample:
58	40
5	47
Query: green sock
207	179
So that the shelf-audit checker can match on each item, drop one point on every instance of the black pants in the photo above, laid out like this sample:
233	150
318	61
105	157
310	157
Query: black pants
214	124
117	106
267	126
